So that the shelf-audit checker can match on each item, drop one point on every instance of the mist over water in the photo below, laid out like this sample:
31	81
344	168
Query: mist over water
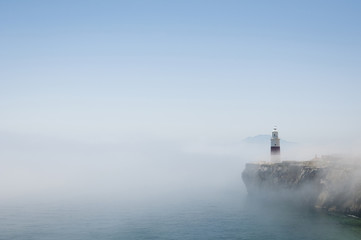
125	119
228	216
141	189
52	169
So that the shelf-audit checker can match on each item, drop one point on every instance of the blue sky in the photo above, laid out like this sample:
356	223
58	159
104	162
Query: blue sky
110	70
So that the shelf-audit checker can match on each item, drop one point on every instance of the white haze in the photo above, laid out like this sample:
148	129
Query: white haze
50	169
138	170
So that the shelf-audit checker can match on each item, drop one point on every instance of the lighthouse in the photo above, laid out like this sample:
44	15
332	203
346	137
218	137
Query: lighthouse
275	146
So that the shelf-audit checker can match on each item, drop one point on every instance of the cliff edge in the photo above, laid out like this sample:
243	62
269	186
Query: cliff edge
329	183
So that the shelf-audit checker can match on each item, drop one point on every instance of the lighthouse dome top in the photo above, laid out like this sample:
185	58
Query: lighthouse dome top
274	129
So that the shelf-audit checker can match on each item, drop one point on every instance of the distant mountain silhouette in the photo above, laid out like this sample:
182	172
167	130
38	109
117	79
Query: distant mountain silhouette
263	139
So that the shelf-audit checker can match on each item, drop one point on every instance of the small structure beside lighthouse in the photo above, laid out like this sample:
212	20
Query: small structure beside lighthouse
275	146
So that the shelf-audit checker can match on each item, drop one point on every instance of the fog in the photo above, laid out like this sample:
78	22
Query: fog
148	103
47	168
148	187
138	170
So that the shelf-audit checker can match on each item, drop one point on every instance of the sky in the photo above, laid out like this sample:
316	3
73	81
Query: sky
173	69
151	76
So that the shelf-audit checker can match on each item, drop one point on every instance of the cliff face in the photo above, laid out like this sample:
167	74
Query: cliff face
319	183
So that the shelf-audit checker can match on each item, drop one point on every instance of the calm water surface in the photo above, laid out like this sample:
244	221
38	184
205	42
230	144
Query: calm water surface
234	216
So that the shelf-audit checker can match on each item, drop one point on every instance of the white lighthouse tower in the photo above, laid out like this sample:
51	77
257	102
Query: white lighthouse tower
275	146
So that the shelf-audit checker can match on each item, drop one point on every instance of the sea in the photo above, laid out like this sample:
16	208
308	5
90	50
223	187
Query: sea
230	214
192	197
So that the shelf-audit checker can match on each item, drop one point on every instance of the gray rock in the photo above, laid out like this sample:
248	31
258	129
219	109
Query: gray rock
329	183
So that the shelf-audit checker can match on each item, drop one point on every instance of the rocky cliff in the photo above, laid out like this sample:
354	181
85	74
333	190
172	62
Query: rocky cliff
329	183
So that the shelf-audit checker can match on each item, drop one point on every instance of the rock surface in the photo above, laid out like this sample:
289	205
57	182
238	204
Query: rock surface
328	182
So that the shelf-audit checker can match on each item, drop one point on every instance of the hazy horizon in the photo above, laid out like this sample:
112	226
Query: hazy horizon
124	97
126	119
